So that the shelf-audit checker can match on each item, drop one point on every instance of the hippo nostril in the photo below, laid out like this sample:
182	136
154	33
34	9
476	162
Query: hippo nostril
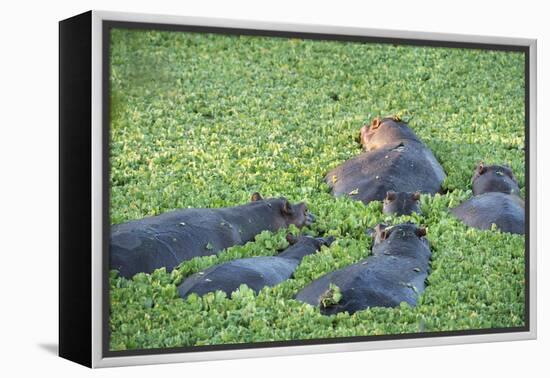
310	218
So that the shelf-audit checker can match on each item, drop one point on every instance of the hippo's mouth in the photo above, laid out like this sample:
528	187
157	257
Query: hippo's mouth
310	219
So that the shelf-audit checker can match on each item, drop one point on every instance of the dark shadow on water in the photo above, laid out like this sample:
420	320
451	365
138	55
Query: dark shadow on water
51	348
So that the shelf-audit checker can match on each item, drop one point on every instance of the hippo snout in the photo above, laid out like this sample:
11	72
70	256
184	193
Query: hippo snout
310	218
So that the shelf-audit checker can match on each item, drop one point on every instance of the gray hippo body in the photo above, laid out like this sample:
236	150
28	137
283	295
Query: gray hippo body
168	239
506	211
494	178
496	201
395	273
401	203
256	272
394	160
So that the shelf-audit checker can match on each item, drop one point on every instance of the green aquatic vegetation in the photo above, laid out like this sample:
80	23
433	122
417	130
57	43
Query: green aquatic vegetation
202	120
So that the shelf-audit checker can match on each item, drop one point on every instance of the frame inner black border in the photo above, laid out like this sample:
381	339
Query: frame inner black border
108	25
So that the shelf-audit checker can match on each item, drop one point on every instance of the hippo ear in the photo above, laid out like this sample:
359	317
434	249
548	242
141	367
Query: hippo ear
375	123
287	208
481	168
291	239
416	196
256	197
421	231
391	195
380	230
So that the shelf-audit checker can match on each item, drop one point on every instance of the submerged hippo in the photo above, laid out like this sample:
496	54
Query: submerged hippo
168	239
394	160
496	201
395	273
401	203
494	178
256	272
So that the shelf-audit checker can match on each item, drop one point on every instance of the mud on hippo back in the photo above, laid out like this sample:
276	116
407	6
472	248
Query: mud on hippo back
394	160
394	273
256	272
169	239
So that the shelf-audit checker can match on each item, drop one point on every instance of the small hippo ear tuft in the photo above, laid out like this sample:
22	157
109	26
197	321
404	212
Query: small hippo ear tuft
287	207
421	231
391	195
380	227
291	239
375	123
256	197
481	168
380	231
416	196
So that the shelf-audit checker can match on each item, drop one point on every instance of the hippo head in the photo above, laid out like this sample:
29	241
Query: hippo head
401	203
494	178
319	241
296	214
382	131
403	232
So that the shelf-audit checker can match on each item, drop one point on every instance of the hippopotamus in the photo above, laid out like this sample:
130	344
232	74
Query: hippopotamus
401	203
169	239
394	160
394	273
496	201
494	178
256	272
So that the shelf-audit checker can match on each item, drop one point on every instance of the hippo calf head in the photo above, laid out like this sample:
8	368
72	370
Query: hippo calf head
382	131
494	178
319	241
402	232
401	203
296	214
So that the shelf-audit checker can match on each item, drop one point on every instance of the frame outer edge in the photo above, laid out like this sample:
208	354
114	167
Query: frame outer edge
97	193
97	181
533	189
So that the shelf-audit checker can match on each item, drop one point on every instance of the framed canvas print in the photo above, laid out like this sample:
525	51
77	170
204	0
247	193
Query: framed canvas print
234	189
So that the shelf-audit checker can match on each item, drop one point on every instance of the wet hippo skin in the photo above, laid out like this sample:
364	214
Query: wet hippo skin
394	273
494	178
507	212
394	160
256	272
168	239
496	201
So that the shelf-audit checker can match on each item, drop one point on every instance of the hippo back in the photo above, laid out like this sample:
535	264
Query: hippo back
255	272
406	166
168	239
395	273
506	211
